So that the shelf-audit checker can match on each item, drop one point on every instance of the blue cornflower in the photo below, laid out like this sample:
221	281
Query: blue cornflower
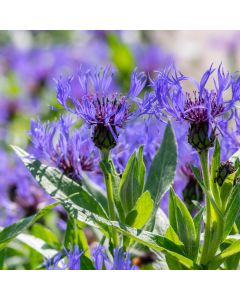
71	260
98	105
69	150
68	260
205	110
121	259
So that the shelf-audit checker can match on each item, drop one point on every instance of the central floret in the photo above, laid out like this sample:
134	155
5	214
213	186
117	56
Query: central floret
197	110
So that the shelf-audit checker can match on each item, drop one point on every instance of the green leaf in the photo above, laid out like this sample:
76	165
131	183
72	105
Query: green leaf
216	209
95	190
182	223
2	255
172	263
141	212
233	249
232	210
214	168
156	242
198	176
197	220
215	234
86	263
109	170
226	188
161	222
132	181
37	244
40	231
74	235
171	235
12	231
58	185
232	262
162	169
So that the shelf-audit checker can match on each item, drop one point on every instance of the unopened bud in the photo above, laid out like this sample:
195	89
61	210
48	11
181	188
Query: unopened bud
198	136
103	137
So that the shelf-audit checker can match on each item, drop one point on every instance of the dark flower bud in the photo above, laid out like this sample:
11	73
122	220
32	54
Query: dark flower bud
103	137
192	191
224	170
198	136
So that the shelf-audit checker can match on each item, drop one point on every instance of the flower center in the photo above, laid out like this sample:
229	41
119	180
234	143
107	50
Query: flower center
197	110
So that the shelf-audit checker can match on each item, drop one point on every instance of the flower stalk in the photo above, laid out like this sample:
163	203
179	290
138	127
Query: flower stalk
110	198
203	155
213	226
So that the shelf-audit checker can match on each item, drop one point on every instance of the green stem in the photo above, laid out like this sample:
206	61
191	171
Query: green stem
111	208
207	236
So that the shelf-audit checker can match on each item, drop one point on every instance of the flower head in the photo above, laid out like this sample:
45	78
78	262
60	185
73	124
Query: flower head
69	150
121	260
71	260
204	109
98	105
68	260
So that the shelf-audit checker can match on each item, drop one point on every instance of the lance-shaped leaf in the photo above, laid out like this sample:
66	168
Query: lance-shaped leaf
232	210
226	188
74	235
109	170
182	223
233	249
132	181
197	220
232	262
12	231
58	185
214	168
37	244
162	169
161	222
172	263
95	190
141	212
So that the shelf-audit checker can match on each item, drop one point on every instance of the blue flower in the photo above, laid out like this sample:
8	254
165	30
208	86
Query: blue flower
69	150
101	107
71	260
202	105
147	132
204	109
121	260
68	260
